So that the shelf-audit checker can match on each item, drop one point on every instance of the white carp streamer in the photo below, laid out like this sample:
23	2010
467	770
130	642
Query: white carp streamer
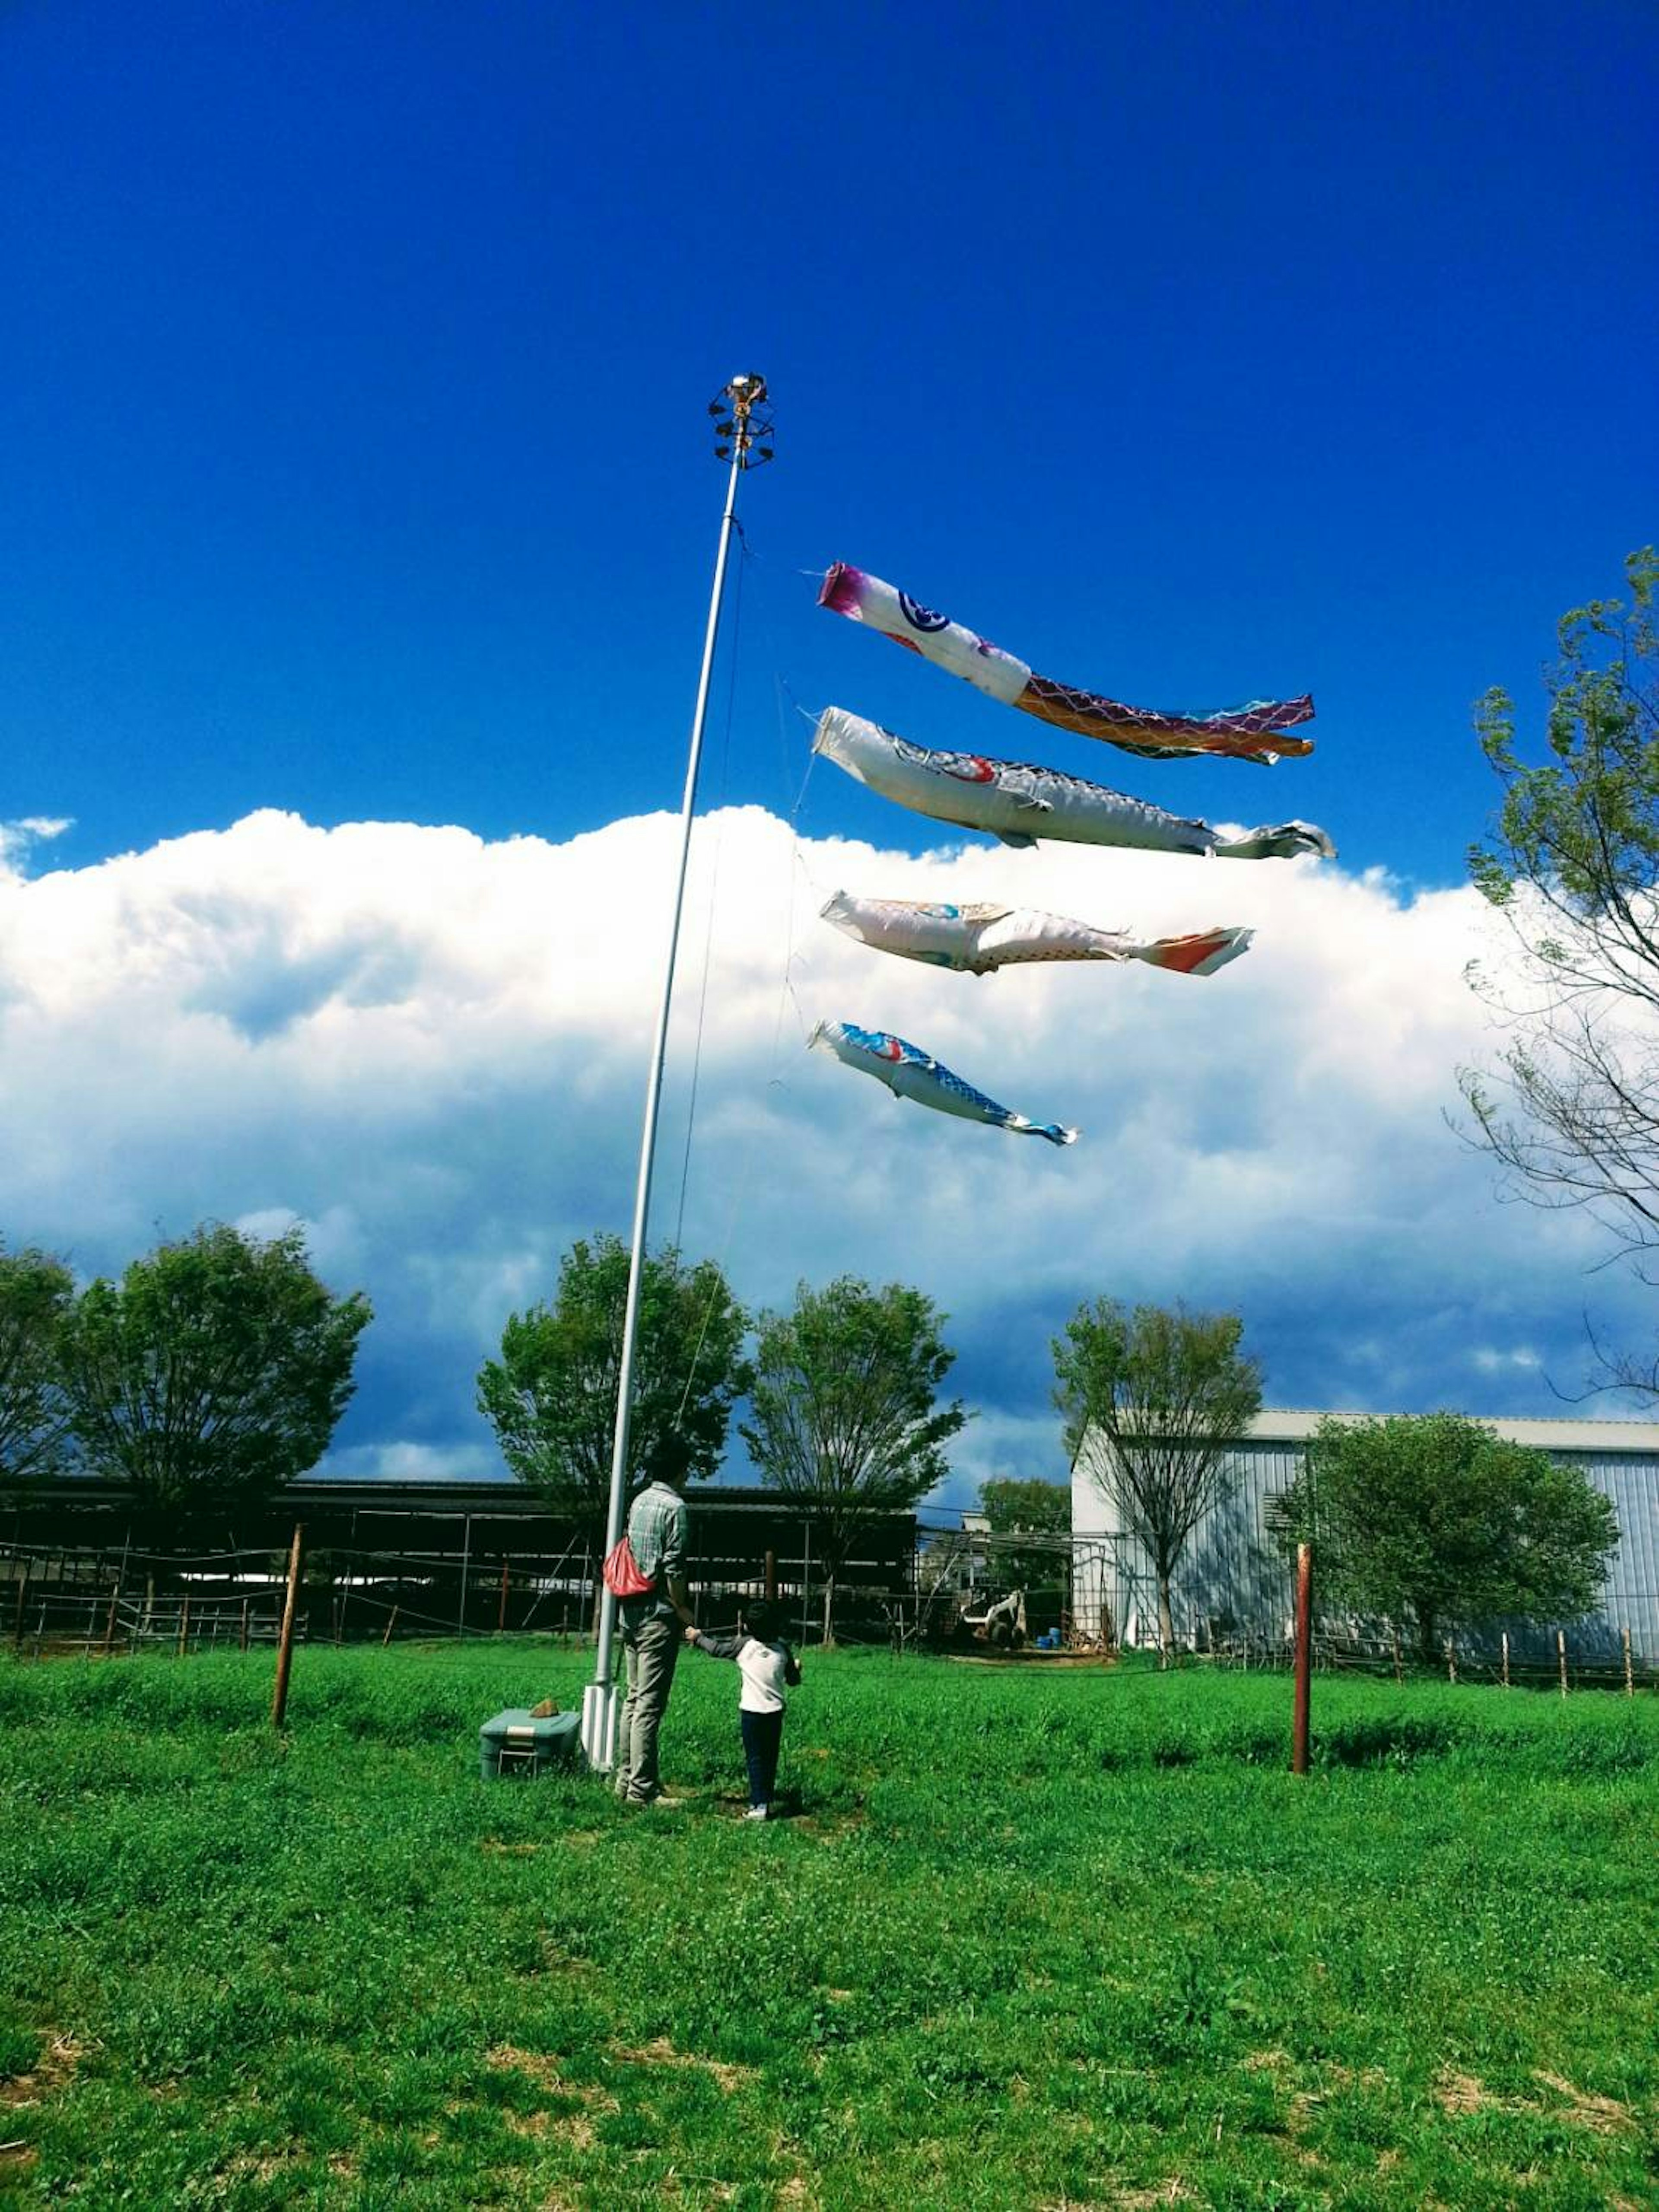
1020	803
976	940
910	1072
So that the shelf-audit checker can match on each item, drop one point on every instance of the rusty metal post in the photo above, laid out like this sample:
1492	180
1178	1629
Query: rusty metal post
771	1579
285	1645
1303	1657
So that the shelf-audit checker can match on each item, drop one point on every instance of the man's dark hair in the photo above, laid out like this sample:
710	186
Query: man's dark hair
760	1618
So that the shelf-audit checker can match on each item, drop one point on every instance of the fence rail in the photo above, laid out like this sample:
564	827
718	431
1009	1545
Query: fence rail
59	1601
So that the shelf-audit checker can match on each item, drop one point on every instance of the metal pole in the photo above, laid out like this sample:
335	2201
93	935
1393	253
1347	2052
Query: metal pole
743	394
1303	1657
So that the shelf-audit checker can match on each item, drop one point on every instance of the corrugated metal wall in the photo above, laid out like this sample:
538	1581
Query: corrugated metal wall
1232	1580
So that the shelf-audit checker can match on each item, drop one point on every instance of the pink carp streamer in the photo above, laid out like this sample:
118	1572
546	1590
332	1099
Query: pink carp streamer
976	940
1257	731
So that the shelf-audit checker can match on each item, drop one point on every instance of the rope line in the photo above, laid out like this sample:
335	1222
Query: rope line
713	887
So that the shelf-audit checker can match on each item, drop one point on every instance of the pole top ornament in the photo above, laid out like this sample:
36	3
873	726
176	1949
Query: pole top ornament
743	419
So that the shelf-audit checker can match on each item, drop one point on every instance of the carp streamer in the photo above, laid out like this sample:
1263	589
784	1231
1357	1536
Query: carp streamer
1257	731
1020	804
910	1072
976	940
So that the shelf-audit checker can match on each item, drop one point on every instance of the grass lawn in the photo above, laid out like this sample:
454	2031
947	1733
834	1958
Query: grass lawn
1066	1938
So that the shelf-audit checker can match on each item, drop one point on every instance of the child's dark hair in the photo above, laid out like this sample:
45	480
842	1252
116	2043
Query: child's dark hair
760	1618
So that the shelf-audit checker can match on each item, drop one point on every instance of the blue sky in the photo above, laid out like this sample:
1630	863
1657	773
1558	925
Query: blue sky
356	466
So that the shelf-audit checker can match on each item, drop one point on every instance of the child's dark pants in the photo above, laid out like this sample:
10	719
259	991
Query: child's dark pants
762	1736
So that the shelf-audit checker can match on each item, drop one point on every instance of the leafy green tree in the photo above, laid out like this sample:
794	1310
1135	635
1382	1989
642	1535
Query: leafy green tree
551	1395
1016	1507
35	1294
844	1417
1570	1110
1433	1520
1156	1397
215	1372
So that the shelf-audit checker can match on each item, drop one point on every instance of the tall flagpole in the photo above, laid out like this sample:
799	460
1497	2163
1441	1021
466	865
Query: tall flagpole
741	420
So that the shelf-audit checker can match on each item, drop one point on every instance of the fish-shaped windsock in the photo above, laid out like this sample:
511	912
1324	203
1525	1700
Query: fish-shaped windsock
910	1072
1020	804
978	939
1257	730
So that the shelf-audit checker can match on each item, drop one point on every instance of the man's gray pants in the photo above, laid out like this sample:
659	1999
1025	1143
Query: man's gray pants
649	1652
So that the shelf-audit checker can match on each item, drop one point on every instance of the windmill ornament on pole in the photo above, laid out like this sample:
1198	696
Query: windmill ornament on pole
742	428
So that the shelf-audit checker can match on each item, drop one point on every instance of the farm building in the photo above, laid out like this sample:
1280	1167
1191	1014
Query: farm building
1232	1583
430	1557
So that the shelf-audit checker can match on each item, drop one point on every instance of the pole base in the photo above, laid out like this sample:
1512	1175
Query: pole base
601	1705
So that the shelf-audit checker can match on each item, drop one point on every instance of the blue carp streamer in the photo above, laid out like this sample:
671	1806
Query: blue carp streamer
910	1072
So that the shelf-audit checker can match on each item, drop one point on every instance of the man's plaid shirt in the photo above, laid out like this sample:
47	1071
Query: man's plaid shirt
657	1531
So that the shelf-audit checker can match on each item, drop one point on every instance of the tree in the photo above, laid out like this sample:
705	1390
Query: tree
1031	1508
551	1396
1572	1110
1432	1520
35	1294
844	1417
214	1373
1158	1397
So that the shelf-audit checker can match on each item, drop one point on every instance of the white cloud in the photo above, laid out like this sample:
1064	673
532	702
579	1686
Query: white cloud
16	837
1492	1361
432	1051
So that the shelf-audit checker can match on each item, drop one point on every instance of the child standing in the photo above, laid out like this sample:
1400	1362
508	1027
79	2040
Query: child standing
767	1667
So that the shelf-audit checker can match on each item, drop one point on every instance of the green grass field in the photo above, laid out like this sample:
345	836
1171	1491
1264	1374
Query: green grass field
1064	1939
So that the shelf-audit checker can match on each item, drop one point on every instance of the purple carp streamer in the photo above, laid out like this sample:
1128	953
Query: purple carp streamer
1257	730
1020	803
976	940
910	1072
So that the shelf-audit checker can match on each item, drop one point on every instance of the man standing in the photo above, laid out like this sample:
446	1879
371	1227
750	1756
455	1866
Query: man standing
652	1632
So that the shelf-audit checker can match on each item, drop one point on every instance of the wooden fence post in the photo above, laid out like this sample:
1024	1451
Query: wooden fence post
22	1601
1630	1680
1561	1657
109	1621
392	1622
243	1640
500	1617
183	1626
1399	1669
1303	1657
285	1643
1506	1659
771	1579
1451	1661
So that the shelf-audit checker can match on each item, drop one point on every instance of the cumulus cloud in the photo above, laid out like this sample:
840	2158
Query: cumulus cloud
431	1051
